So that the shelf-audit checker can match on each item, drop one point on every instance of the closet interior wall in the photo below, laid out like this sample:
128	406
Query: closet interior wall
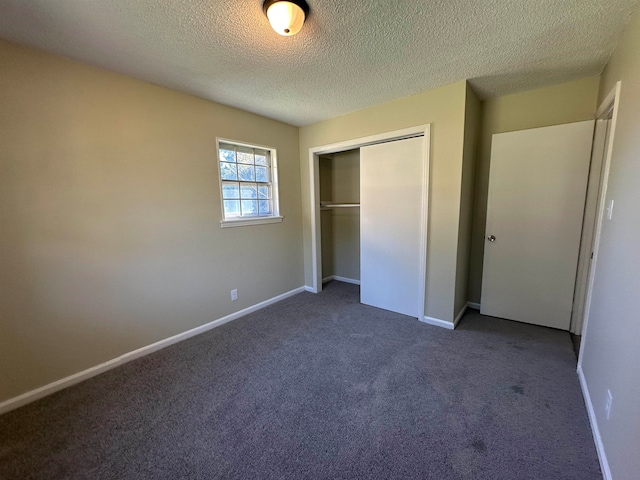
340	226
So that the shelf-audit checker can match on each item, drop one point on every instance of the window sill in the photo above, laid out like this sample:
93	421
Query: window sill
244	222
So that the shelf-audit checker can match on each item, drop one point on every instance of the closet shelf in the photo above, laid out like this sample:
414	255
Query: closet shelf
329	205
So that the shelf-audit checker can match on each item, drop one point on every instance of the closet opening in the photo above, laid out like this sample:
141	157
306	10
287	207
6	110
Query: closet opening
340	216
363	193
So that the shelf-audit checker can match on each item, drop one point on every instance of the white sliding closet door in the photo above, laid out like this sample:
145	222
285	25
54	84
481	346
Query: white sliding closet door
393	226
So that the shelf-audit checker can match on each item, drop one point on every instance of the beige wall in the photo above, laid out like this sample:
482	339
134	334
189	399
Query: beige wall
109	217
340	227
555	105
469	154
444	108
345	174
326	216
611	353
346	221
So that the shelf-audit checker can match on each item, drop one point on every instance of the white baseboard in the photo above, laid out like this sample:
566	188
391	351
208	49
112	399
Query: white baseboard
602	456
309	289
338	278
41	392
459	316
437	322
474	305
444	324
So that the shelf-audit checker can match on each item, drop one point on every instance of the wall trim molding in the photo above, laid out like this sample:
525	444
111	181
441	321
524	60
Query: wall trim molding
602	456
449	325
309	289
41	392
338	278
459	316
437	322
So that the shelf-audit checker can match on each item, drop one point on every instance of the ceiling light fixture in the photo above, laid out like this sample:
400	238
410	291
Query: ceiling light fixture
286	16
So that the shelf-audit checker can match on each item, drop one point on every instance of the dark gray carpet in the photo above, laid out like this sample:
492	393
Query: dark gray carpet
320	387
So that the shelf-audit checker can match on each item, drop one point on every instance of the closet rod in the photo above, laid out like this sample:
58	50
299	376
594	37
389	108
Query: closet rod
329	206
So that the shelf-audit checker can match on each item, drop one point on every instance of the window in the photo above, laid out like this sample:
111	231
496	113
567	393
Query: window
248	184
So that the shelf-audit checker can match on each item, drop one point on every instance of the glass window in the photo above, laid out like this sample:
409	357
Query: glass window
248	182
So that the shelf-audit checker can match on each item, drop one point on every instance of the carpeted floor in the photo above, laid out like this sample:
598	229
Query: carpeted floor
320	387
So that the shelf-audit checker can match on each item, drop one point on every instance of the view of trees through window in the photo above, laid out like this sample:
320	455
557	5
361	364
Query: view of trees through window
247	186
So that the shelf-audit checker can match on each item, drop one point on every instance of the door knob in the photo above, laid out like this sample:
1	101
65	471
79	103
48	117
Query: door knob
491	238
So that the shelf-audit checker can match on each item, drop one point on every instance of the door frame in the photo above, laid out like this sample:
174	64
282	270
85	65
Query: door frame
609	107
314	195
599	145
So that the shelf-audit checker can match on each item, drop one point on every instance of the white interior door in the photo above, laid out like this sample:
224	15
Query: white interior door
537	187
393	226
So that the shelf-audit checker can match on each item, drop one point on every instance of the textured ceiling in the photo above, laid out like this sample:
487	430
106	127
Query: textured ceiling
350	54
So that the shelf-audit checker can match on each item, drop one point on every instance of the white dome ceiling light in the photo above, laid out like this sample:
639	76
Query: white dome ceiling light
286	16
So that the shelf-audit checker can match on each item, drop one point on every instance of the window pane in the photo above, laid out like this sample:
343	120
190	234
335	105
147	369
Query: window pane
248	191
262	157
247	173
228	171
230	190
245	155
265	207
231	208
227	153
262	174
263	191
249	208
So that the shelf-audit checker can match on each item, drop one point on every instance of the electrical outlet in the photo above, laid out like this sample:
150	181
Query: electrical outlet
607	407
234	294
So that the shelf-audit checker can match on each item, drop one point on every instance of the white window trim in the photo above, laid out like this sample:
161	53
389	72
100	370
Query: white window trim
275	190
241	222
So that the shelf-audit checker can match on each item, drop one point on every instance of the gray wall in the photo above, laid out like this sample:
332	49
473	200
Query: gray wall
611	355
109	217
